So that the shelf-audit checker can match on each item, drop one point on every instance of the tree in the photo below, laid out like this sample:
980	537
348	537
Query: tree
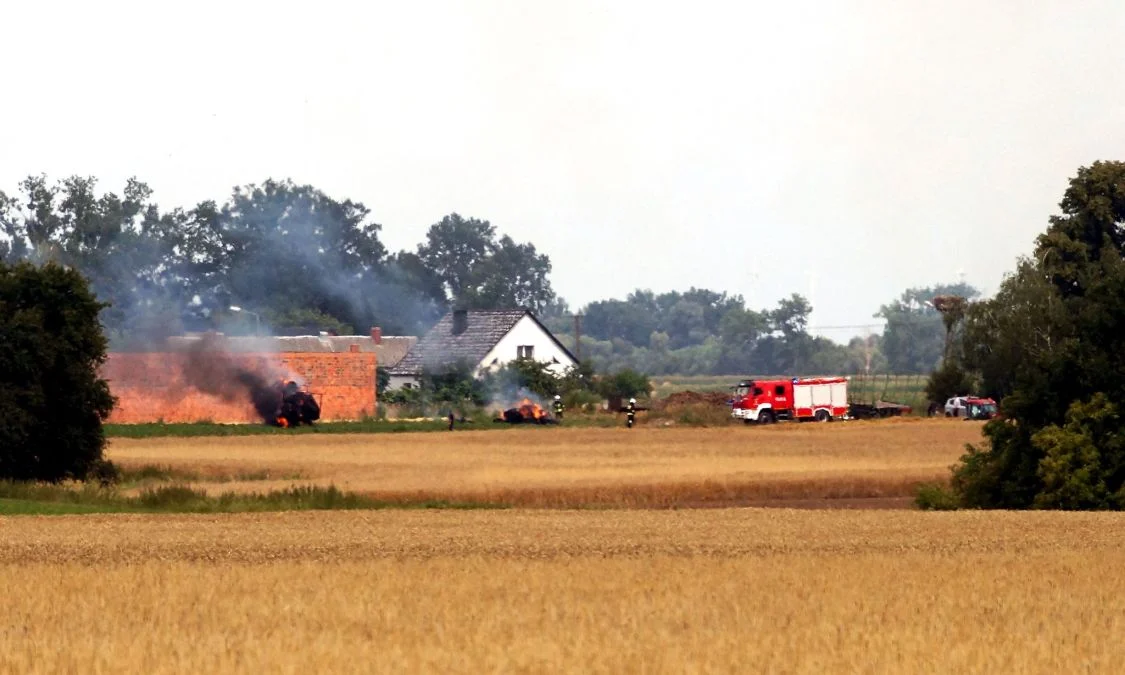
948	381
513	275
739	331
524	375
625	383
52	402
477	271
454	248
628	320
1051	343
914	338
123	245
280	247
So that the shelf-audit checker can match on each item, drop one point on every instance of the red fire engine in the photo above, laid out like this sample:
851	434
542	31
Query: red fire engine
812	398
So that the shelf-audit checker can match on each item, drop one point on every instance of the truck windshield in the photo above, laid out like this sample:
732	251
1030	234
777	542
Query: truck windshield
743	389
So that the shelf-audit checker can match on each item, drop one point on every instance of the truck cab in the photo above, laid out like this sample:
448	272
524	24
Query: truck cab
762	401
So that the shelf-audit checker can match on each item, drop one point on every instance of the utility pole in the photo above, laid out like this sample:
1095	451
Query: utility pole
578	336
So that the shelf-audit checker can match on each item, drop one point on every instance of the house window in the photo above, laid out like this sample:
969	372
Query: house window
525	352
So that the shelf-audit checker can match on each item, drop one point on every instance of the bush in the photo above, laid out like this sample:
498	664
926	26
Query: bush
1084	460
105	472
948	381
525	375
626	383
52	402
934	497
701	415
581	399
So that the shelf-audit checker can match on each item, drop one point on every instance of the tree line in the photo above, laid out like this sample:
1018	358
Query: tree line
297	258
300	261
705	332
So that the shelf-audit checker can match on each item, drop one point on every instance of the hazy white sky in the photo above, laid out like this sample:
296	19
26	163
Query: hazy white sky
844	149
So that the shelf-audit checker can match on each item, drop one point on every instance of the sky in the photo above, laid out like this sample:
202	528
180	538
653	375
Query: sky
844	150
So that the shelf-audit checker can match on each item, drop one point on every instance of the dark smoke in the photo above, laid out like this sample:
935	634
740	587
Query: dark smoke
212	369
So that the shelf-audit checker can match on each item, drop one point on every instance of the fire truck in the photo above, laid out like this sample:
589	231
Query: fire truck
822	399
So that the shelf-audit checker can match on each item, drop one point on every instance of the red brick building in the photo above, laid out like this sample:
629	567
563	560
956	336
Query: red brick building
338	370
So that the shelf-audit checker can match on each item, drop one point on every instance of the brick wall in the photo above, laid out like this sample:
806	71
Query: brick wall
150	386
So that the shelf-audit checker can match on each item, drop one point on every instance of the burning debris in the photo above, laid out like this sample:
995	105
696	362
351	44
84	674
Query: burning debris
279	401
526	412
296	406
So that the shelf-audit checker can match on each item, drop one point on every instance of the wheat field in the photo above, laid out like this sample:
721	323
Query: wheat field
629	591
791	464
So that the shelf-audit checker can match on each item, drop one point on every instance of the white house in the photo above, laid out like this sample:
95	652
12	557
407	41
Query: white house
487	340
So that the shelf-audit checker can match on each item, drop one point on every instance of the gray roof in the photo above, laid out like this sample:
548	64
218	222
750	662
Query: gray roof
440	347
388	352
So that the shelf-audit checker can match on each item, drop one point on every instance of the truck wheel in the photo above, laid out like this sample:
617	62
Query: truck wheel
823	416
766	417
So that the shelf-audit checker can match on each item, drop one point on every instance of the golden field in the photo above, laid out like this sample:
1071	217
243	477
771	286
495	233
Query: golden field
715	590
881	462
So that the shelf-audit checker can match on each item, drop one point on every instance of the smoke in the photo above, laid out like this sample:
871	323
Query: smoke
212	369
305	256
505	395
297	258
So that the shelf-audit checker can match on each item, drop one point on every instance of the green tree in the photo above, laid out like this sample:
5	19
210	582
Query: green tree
625	383
1050	339
527	375
279	247
454	248
478	271
513	275
122	244
948	381
739	331
52	402
1083	465
914	336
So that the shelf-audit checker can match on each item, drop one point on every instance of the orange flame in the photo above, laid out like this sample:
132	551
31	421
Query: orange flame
530	409
282	422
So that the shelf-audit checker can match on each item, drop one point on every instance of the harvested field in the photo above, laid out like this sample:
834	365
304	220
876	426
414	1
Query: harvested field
731	590
847	464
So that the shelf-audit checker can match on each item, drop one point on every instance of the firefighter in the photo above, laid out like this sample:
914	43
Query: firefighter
452	419
558	404
630	409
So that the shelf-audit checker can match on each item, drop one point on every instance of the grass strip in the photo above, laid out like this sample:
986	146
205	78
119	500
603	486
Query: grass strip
198	429
44	499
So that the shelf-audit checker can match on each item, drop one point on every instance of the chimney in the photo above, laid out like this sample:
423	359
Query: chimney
377	335
460	321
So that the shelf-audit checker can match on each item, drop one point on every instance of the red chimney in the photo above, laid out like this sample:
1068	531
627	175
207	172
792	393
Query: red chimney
377	335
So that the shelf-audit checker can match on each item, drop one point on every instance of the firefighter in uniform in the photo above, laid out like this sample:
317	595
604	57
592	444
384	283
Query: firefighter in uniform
630	409
558	404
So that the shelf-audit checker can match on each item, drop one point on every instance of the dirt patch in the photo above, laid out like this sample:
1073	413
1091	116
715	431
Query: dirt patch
690	398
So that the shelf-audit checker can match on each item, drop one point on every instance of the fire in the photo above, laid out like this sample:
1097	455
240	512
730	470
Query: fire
531	410
282	422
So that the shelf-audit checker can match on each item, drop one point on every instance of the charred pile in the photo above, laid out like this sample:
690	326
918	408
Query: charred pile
295	406
527	412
